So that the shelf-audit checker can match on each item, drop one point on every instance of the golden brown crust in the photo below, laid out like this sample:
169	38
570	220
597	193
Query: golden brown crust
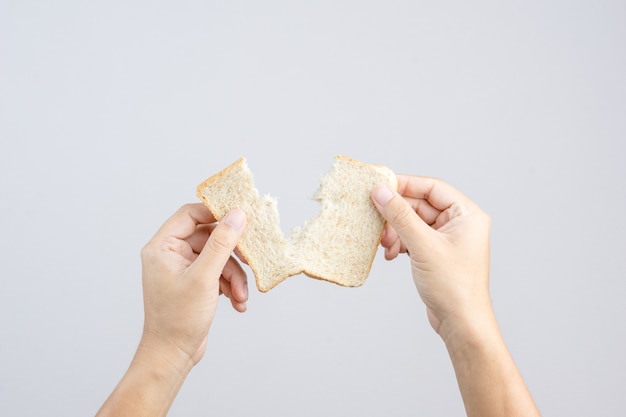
265	285
223	173
218	215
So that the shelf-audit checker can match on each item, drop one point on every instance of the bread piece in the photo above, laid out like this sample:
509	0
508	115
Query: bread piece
338	244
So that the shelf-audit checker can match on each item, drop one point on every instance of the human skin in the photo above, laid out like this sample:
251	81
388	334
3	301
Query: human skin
447	238
188	264
185	268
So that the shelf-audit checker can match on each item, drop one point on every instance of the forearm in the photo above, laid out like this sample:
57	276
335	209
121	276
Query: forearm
149	386
489	381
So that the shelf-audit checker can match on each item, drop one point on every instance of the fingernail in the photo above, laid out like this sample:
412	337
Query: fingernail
382	194
235	219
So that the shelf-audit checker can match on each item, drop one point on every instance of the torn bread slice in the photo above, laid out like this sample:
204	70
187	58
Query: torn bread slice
338	244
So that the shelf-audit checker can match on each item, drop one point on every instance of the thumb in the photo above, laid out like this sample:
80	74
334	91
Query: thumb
221	244
401	216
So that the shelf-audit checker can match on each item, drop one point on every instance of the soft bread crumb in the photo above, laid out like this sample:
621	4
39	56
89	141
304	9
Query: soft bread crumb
336	245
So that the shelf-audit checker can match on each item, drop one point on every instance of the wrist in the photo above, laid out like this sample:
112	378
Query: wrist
488	378
464	329
164	358
150	384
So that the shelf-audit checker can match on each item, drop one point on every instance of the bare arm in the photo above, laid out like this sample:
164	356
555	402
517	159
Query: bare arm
447	238
489	381
149	386
185	267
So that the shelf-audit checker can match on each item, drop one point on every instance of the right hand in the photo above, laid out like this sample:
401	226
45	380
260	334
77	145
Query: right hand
447	238
186	266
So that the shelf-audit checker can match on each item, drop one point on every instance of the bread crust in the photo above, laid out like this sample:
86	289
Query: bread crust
220	212
337	245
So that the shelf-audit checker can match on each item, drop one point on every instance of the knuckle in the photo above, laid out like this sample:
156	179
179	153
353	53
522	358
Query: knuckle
186	207
148	251
484	217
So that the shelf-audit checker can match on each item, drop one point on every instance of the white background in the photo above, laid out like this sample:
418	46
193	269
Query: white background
111	112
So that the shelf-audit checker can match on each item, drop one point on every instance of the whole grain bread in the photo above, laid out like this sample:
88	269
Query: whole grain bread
338	244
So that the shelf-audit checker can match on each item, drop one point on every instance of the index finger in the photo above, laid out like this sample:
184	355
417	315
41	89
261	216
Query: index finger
438	193
184	222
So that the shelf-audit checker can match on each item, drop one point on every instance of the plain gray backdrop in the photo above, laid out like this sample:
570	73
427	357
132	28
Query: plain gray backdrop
112	112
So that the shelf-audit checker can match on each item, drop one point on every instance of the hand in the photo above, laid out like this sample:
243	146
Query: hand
186	266
447	238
